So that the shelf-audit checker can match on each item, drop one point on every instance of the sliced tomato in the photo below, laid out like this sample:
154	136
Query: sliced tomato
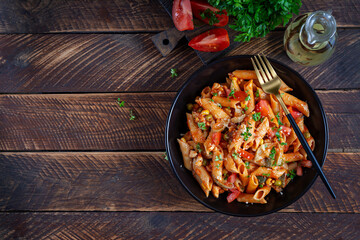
263	107
306	163
232	178
294	113
232	195
199	9
240	96
285	130
245	154
214	40
215	138
182	15
271	133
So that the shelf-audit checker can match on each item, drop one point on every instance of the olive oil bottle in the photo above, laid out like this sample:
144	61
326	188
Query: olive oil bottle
310	38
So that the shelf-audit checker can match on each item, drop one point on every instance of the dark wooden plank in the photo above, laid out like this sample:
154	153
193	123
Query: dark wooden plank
113	63
82	16
129	181
164	225
95	121
120	15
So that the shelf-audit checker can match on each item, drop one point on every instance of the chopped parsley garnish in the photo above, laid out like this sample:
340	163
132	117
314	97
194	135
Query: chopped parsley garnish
120	103
218	158
282	94
291	174
212	100
246	108
165	156
132	116
209	15
246	134
272	119
277	134
225	176
257	93
262	119
215	94
283	143
256	116
247	165
248	98
202	125
219	105
272	153
278	118
173	72
204	162
266	174
198	147
229	108
260	186
235	155
217	165
231	94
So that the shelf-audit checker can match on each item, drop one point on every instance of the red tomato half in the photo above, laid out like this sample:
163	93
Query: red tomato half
233	195
263	107
240	96
294	113
182	15
245	154
214	40
215	138
285	130
199	8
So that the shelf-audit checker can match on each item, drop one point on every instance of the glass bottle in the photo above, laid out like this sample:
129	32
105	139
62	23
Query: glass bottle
310	38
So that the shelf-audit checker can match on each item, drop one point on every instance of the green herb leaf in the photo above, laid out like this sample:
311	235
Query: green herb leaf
283	143
219	105
257	93
210	15
120	103
247	165
198	147
278	118
218	158
215	94
173	72
235	155
257	18
266	174
272	153
132	116
291	174
165	156
202	125
232	92
256	116
248	98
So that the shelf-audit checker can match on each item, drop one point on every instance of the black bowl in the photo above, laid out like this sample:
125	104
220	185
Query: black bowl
176	124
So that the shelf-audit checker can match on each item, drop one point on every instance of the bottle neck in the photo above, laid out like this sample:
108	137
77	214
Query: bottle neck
318	29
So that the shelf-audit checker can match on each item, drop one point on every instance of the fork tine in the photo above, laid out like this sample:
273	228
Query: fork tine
265	68
257	72
265	78
270	66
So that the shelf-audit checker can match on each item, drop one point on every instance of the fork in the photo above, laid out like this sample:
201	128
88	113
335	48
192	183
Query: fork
270	83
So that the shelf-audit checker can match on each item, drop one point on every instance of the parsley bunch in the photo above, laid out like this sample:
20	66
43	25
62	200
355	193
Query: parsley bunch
255	18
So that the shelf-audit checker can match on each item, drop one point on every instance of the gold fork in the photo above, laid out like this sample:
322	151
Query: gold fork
270	83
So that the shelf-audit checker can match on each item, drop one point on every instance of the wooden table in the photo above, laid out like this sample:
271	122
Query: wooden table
72	164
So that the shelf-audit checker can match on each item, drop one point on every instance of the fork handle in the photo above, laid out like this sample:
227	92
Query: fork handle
306	147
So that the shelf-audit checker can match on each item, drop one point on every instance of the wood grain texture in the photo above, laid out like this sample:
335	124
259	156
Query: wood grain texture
143	181
164	225
66	122
47	16
118	63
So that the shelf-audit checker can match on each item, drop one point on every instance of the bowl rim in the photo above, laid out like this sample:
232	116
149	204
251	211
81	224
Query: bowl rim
167	128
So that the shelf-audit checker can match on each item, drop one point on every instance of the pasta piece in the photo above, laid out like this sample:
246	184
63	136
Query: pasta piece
238	139
249	134
262	152
206	92
214	109
275	105
185	150
234	84
206	181
261	193
195	131
249	198
262	94
284	87
230	164
292	101
208	144
260	133
271	172
252	184
245	74
300	122
225	102
243	174
250	103
215	191
292	157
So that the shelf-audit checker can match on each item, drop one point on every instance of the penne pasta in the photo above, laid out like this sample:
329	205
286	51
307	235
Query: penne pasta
240	142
